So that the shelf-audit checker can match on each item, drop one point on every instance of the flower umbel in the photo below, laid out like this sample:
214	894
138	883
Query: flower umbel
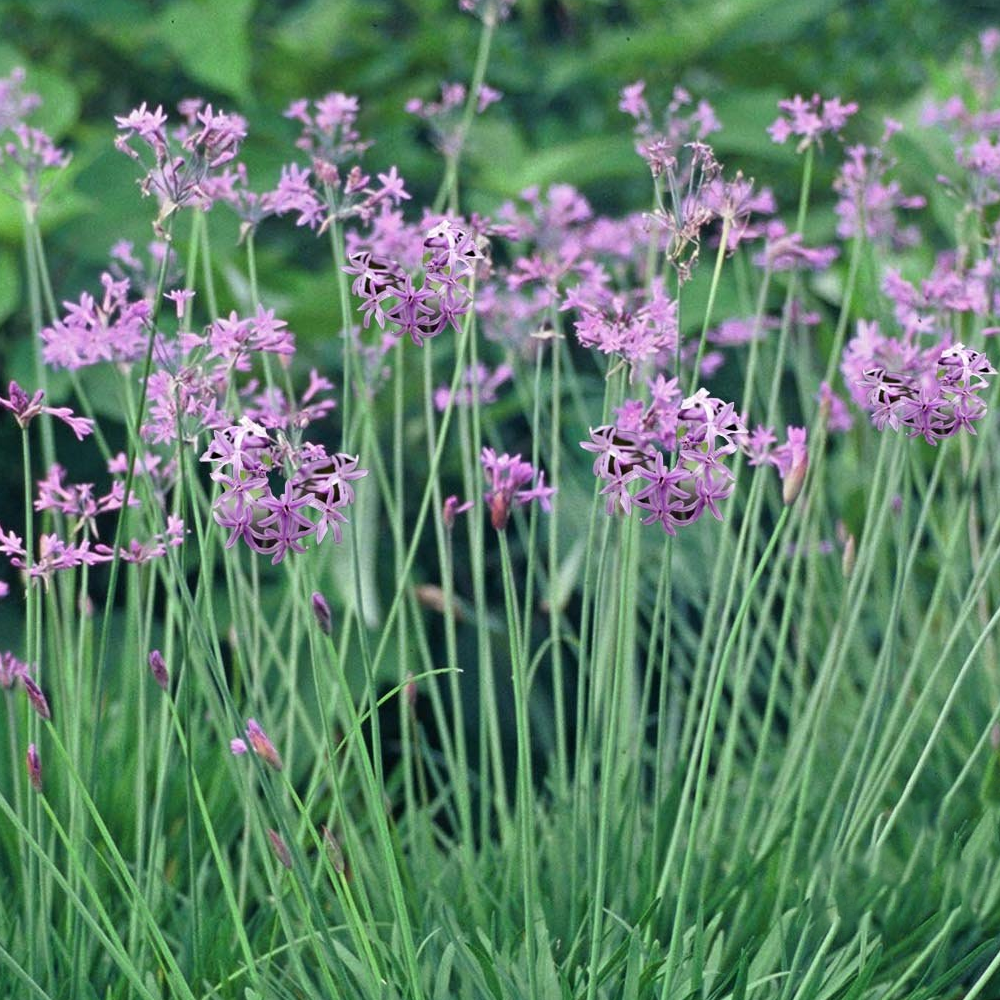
506	476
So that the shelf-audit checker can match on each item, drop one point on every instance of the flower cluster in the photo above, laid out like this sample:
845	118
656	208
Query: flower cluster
444	117
932	392
390	295
183	158
116	328
677	446
27	159
325	192
478	382
661	147
646	332
316	489
868	203
507	477
810	120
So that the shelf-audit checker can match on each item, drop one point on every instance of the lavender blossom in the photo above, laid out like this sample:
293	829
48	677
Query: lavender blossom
506	475
182	158
810	120
113	329
326	192
444	117
243	456
391	296
478	382
25	408
868	204
677	446
932	392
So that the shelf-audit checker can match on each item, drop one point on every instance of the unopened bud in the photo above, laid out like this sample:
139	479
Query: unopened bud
321	610
499	511
36	697
334	851
792	486
34	768
847	559
280	848
158	668
262	745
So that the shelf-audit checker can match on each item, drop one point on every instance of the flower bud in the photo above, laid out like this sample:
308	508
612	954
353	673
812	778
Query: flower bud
158	668
321	610
34	767
333	849
847	559
262	745
36	697
281	851
792	485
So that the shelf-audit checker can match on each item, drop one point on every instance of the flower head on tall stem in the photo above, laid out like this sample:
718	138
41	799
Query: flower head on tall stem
178	161
507	476
25	408
809	120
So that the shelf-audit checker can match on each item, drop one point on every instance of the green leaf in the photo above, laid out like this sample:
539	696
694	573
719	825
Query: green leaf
212	41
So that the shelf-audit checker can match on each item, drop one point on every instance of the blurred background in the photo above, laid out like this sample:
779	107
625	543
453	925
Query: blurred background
559	63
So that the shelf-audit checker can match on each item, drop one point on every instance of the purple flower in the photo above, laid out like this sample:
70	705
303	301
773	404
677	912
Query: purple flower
182	159
784	251
244	455
643	332
114	329
479	380
933	392
868	202
11	669
15	105
506	476
676	446
444	117
26	408
810	120
451	509
180	298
